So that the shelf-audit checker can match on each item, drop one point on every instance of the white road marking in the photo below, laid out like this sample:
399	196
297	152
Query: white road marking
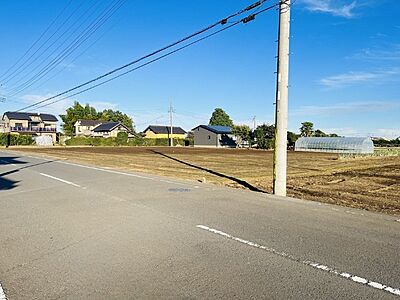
2	294
59	179
110	170
315	265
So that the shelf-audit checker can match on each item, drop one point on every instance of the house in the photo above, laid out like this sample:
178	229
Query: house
109	129
33	124
85	127
163	132
213	136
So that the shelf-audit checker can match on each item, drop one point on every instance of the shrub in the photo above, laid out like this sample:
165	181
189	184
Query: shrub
16	140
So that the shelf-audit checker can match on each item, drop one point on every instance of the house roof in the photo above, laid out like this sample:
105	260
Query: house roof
14	115
216	129
46	117
107	126
165	129
17	115
89	122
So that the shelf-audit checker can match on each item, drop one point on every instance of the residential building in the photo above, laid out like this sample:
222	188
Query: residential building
109	129
34	124
164	132
213	136
85	127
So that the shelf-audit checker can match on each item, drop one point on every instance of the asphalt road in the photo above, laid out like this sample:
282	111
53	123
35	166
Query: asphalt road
69	231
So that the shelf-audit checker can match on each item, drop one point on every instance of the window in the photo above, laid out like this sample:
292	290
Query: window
18	124
209	137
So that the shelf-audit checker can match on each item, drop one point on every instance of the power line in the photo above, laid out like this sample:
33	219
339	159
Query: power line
78	55
45	42
96	25
70	29
37	40
222	22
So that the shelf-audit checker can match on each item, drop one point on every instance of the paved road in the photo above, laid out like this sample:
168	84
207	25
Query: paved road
69	231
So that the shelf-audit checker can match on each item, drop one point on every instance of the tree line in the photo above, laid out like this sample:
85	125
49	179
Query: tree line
87	112
263	136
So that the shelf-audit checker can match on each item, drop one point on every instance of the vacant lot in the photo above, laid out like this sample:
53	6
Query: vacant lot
369	183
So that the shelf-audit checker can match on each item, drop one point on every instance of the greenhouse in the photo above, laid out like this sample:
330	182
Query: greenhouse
356	145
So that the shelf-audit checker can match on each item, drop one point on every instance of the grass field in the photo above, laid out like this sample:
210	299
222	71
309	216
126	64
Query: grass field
371	183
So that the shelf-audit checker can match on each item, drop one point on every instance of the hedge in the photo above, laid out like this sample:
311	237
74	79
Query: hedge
16	140
123	140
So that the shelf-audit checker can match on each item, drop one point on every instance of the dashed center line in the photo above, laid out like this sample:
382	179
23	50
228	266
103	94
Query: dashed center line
59	179
354	278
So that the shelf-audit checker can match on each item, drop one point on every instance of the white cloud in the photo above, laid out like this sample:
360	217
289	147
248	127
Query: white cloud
349	107
389	133
352	78
389	53
102	105
331	7
60	107
55	108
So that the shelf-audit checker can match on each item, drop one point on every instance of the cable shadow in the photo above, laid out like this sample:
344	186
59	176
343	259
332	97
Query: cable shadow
8	184
9	160
239	181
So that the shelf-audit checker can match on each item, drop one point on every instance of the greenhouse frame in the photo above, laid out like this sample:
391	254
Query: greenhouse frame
354	145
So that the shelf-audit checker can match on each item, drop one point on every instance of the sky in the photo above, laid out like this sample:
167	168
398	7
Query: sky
344	62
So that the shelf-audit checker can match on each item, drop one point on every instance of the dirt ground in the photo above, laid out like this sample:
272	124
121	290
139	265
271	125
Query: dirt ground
369	183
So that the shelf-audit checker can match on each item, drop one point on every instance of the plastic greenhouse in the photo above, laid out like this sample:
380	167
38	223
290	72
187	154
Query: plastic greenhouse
357	145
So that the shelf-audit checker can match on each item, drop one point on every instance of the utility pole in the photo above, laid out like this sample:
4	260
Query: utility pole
171	111
254	123
281	115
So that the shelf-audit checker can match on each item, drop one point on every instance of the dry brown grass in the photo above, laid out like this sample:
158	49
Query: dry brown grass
370	183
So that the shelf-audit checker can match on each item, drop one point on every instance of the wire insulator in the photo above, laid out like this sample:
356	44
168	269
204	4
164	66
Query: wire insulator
249	18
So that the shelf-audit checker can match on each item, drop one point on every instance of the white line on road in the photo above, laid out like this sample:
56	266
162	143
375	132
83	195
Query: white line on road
2	295
315	265
108	170
59	179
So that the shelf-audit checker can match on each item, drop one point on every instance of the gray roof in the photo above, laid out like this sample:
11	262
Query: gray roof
107	126
45	117
165	129
89	122
14	115
17	115
216	129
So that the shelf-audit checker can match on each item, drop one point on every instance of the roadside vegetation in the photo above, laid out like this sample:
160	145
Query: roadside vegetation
15	140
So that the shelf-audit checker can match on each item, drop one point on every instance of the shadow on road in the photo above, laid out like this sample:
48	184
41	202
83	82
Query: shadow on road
239	181
8	184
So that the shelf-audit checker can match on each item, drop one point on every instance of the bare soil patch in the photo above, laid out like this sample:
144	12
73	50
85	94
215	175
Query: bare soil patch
369	183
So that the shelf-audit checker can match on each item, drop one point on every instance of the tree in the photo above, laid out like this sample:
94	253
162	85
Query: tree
242	133
87	112
319	133
116	116
306	129
74	113
291	139
264	136
220	117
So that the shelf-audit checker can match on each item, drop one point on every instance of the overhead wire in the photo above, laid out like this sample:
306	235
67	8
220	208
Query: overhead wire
43	44
37	40
223	22
73	46
71	29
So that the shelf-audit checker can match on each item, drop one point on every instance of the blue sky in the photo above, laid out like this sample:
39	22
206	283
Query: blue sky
344	72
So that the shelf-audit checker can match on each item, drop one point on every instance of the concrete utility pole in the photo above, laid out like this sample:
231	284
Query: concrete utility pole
254	123
171	111
281	115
